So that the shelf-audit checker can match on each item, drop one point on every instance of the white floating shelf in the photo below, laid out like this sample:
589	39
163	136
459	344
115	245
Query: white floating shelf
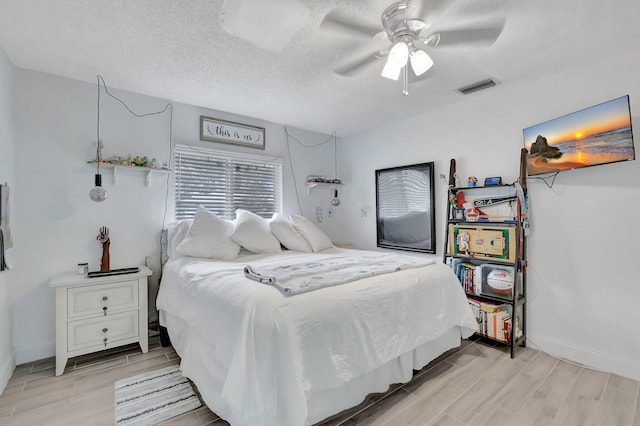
115	168
312	185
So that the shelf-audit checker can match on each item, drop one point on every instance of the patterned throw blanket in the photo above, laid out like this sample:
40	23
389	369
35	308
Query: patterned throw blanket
330	270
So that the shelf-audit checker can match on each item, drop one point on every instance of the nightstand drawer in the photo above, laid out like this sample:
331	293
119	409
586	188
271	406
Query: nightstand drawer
91	300
92	332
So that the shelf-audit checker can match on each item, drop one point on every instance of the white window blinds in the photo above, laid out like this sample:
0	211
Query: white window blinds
223	182
401	192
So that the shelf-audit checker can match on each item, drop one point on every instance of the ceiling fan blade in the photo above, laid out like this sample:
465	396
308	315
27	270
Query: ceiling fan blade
360	65
333	21
427	9
266	24
482	35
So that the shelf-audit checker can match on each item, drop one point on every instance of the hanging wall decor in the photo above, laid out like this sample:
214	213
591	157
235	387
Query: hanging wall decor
215	130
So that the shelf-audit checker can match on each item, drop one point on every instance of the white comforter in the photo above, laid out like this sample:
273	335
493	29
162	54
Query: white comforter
275	349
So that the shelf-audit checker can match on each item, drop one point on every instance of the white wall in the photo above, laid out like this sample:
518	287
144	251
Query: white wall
583	287
57	223
7	361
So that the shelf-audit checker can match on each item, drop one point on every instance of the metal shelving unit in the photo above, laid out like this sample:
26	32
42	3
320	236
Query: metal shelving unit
506	251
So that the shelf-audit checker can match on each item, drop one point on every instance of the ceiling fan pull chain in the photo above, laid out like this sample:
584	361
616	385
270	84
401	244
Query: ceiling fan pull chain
405	81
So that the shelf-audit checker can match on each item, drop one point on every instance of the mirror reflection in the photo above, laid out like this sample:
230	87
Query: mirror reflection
405	208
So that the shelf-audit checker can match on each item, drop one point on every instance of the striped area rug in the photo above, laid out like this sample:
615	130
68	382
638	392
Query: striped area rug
150	398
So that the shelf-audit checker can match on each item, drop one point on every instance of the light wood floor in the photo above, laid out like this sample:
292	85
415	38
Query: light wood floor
472	385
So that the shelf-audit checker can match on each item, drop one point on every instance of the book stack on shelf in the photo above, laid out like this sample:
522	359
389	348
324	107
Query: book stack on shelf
494	321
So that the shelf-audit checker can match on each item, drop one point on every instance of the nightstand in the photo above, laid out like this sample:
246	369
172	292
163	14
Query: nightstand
93	314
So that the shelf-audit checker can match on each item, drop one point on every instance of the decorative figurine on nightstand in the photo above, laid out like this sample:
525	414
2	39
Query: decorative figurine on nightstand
103	237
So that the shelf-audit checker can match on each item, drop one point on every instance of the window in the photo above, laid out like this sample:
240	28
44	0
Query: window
223	182
405	213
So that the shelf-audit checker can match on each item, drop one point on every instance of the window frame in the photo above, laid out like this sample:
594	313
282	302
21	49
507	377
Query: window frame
227	176
428	209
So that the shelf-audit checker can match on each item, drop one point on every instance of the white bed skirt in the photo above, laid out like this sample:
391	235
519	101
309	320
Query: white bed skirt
209	375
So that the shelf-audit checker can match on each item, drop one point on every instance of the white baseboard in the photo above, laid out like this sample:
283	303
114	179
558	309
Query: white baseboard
586	356
35	353
6	370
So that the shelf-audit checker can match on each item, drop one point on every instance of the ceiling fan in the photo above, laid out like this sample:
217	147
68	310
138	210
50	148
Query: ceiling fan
410	33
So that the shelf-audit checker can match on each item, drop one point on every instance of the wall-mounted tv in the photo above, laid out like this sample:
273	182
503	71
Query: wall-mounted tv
599	134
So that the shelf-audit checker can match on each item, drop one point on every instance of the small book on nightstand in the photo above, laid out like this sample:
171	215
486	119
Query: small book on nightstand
120	271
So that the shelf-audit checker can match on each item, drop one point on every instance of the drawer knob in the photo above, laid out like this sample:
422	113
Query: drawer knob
104	298
104	330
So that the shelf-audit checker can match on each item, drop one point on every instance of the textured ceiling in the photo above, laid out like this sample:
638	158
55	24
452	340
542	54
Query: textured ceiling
178	50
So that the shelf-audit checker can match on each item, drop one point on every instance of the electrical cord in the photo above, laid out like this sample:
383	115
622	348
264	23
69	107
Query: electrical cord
169	107
295	181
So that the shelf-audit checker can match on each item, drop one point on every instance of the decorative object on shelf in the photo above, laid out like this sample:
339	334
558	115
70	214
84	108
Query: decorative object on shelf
315	181
500	281
471	214
492	201
495	242
140	161
322	179
105	241
457	200
472	181
98	193
216	130
493	181
463	242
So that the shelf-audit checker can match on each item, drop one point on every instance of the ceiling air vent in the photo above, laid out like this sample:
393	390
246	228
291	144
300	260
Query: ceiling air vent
480	85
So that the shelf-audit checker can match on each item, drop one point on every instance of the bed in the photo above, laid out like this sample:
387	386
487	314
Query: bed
261	358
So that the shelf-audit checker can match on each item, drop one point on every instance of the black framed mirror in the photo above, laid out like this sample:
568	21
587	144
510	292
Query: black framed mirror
405	208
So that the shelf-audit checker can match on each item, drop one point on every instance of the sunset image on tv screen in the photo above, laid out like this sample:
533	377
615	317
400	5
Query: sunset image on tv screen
596	135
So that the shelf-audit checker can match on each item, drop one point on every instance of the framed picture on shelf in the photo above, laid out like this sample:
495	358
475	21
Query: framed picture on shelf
216	130
482	242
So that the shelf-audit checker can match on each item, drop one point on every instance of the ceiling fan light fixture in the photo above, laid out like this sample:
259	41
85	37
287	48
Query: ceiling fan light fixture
391	72
398	57
420	62
399	54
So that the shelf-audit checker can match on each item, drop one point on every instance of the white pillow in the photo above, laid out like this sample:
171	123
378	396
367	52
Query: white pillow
317	239
252	232
176	233
208	237
287	234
